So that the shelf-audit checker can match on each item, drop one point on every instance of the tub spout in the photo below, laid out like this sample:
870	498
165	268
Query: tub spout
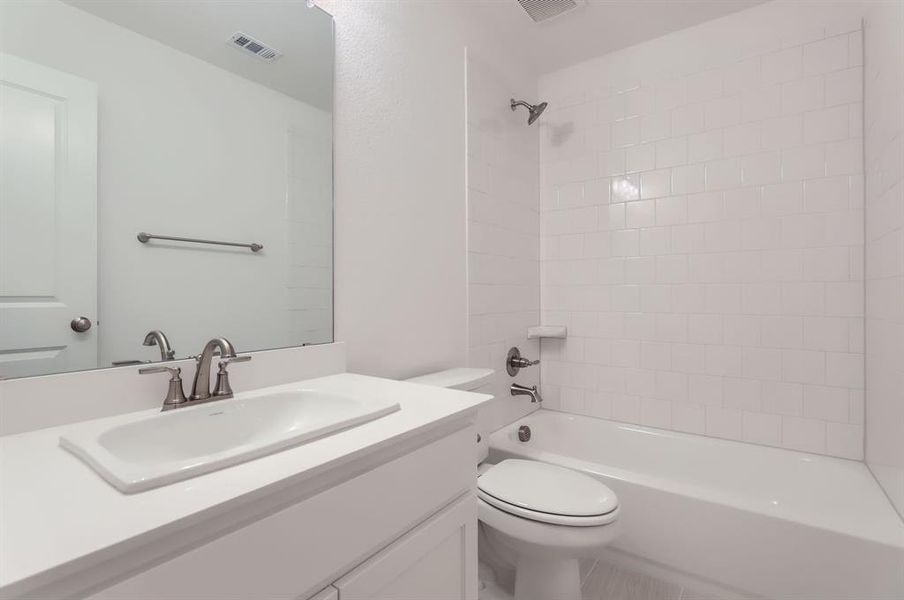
522	390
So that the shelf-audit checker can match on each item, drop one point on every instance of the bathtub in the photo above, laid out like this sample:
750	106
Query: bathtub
736	519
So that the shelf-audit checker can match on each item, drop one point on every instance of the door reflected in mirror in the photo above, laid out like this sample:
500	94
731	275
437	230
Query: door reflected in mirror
165	177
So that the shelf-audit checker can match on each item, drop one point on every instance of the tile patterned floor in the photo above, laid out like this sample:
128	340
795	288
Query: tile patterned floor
605	581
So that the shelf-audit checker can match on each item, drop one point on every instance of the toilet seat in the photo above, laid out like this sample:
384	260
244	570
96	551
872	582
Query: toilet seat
547	493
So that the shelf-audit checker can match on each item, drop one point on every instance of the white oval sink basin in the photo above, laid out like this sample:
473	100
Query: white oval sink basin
159	449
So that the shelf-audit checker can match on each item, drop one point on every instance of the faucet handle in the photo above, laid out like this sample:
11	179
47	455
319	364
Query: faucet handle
222	387
175	397
174	371
235	359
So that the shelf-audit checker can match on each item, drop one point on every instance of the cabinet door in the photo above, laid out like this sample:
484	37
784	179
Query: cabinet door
435	561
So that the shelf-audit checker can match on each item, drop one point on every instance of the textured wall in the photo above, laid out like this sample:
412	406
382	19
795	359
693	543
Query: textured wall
702	230
884	144
400	158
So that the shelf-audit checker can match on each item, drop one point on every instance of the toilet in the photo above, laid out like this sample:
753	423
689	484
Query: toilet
545	517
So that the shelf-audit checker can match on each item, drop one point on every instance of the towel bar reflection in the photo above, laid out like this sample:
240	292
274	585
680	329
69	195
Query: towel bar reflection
144	238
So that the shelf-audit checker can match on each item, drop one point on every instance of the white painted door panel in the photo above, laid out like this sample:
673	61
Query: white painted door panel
48	218
436	561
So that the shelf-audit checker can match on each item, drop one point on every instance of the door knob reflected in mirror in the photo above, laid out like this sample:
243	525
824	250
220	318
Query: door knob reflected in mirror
80	324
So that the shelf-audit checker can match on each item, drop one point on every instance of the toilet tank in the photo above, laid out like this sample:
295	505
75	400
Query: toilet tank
462	378
468	380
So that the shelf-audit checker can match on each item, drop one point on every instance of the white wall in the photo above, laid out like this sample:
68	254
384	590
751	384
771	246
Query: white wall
185	148
702	230
503	232
884	145
400	159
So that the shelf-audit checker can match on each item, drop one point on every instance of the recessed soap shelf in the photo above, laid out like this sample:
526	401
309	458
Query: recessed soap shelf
547	331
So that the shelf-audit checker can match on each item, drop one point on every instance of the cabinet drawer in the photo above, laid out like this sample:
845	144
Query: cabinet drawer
301	549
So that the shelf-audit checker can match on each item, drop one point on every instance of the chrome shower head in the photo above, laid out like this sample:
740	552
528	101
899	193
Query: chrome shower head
534	110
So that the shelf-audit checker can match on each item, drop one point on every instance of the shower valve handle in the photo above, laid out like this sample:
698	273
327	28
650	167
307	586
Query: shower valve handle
514	362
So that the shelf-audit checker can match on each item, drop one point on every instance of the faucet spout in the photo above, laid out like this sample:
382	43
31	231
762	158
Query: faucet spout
522	390
159	339
200	389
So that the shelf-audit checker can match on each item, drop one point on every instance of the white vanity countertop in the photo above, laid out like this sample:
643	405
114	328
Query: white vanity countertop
55	511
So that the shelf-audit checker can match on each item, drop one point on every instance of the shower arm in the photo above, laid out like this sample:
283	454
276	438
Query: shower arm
517	103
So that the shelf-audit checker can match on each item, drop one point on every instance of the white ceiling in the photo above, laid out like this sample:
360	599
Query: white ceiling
203	28
599	27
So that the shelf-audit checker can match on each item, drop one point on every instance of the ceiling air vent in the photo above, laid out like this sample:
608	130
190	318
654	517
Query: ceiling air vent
544	10
246	43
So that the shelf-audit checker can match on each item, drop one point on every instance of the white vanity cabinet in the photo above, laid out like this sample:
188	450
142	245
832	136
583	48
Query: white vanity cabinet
405	529
436	561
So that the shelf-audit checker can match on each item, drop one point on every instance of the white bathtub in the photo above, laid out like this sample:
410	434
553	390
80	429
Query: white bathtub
752	520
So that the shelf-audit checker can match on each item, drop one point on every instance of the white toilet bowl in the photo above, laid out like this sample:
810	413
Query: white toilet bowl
544	517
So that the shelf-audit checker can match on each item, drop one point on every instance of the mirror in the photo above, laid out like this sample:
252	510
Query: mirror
164	165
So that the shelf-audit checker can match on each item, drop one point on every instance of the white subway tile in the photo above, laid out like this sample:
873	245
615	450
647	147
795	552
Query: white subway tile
826	55
688	179
761	169
826	403
781	398
844	440
671	152
804	434
705	329
845	157
723	112
759	428
688	119
782	132
624	189
760	104
705	207
826	125
802	95
705	146
640	158
803	366
742	139
655	127
804	162
723	174
689	418
625	133
782	66
655	241
717	288
844	87
724	422
844	369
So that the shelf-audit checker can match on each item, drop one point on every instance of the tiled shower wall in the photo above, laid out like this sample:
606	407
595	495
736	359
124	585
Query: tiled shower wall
884	141
702	230
503	232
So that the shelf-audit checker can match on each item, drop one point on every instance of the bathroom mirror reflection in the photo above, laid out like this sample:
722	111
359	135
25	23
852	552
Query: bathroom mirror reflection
197	119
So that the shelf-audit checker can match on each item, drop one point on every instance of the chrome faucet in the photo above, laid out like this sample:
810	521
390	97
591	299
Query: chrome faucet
157	338
200	389
522	390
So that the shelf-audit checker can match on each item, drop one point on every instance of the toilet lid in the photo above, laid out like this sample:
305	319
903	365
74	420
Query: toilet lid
547	493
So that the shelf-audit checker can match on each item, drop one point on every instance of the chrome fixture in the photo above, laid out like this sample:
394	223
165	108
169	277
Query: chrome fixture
144	238
175	397
200	389
80	324
157	338
522	390
514	362
524	433
534	110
